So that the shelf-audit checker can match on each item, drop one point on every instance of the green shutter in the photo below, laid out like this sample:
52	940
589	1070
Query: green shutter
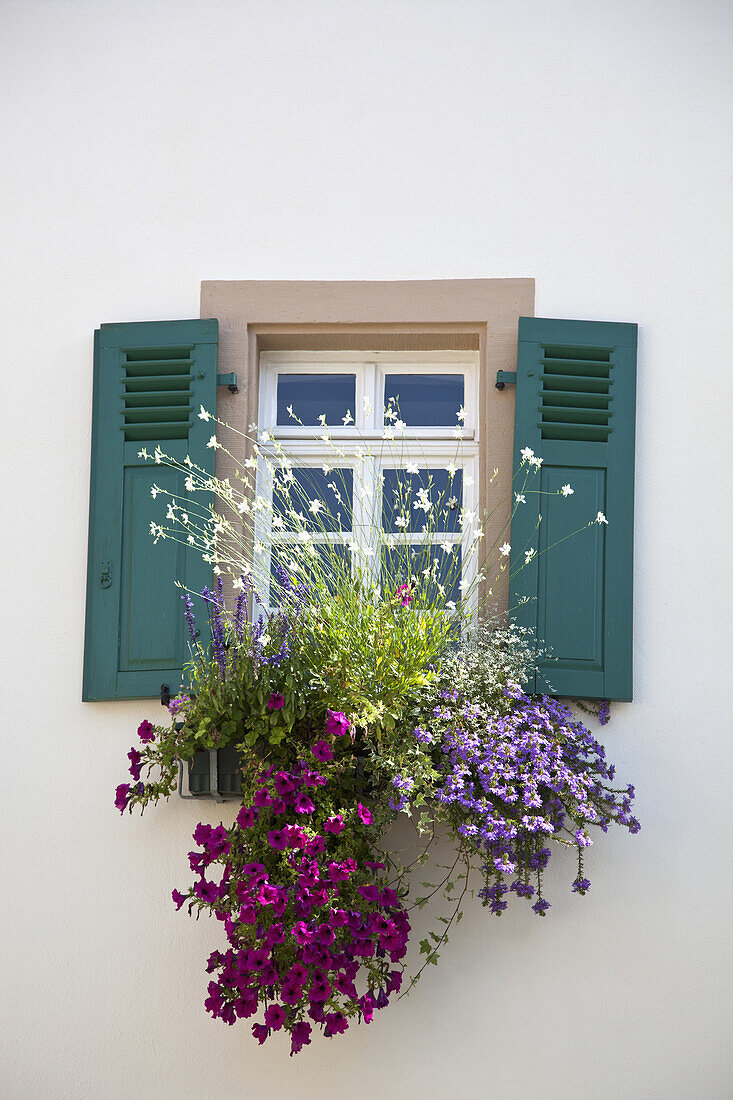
576	392
149	380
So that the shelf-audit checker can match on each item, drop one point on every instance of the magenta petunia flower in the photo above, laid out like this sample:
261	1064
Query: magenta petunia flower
322	751
300	1037
337	724
371	893
263	797
135	765
363	813
260	1032
275	1016
206	891
336	1023
146	731
334	824
276	701
303	804
178	898
246	817
278	839
122	797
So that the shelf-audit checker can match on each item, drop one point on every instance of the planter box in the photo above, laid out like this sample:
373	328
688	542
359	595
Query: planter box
221	765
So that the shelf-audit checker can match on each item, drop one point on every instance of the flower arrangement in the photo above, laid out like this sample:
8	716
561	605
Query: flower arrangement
358	692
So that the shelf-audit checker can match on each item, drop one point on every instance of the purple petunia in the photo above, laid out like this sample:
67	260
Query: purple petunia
363	814
322	751
146	731
276	701
135	763
337	724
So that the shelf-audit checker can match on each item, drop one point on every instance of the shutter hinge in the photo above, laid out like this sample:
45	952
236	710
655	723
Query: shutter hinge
505	377
228	380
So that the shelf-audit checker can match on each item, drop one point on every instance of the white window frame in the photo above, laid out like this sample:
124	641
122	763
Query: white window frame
427	446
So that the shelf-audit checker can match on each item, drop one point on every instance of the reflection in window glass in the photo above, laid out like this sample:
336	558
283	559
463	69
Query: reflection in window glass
412	500
424	400
324	501
404	563
331	563
310	395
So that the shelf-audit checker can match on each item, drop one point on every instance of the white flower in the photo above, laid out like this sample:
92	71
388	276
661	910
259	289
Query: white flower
315	506
203	415
190	540
154	491
527	453
259	548
400	522
389	414
290	412
567	491
264	641
212	443
217	570
461	414
520	498
452	502
423	501
277	521
158	455
458	433
188	483
143	453
265	437
451	468
348	419
504	549
388	433
451	605
322	419
528	555
412	468
447	547
600	518
535	461
238	583
399	426
466	517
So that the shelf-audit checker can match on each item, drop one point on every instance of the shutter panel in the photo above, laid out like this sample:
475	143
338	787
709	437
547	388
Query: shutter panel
149	380
575	407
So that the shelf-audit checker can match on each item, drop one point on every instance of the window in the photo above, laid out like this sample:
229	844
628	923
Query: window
403	441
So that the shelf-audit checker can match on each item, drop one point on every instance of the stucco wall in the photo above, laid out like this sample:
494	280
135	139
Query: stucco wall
152	145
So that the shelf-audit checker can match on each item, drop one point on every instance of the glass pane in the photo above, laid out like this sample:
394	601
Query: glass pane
311	395
424	400
432	498
331	563
323	500
408	564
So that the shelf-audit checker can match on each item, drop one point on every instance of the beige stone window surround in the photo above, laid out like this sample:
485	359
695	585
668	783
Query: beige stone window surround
414	315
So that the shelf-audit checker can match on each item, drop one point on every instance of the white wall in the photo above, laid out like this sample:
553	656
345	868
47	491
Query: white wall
153	144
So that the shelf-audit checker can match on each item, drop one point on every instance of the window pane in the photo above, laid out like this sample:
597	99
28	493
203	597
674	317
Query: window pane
323	500
424	400
331	563
402	563
410	501
311	395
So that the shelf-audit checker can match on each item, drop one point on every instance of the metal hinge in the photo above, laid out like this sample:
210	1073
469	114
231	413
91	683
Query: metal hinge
228	380
505	378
